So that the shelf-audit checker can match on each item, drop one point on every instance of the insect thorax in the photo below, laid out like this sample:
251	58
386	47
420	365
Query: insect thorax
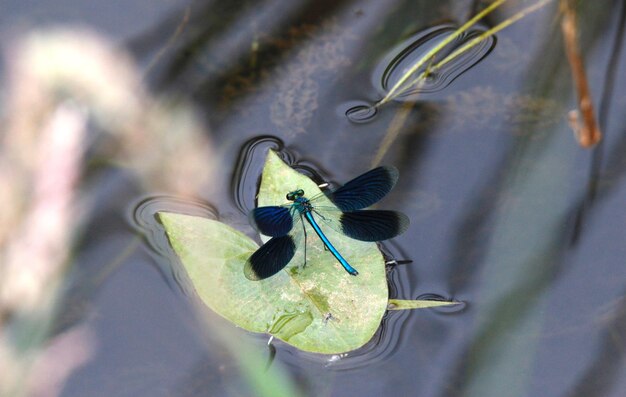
302	204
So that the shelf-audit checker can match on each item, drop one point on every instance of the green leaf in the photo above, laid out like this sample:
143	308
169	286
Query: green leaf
318	308
400	304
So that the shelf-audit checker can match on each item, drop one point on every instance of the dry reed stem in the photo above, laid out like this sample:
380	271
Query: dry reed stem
587	130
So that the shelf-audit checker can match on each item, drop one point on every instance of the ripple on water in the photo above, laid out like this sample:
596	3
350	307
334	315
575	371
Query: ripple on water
144	213
144	218
360	112
460	306
249	167
401	58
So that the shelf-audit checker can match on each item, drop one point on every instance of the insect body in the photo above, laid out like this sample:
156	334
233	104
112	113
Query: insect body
305	209
348	218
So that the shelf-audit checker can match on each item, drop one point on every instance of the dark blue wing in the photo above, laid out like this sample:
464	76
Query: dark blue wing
272	221
271	258
365	190
373	225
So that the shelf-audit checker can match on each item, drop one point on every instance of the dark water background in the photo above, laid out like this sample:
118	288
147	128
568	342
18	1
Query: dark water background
508	214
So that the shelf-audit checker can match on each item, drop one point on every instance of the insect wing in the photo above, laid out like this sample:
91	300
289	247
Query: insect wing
271	258
274	221
365	190
373	225
365	225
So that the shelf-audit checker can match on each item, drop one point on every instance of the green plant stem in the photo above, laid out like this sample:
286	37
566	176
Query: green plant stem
395	90
394	129
509	21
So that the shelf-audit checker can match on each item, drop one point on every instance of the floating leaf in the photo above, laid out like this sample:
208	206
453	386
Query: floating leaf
318	308
401	304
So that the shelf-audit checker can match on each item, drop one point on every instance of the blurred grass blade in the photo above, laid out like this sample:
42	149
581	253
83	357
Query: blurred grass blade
263	381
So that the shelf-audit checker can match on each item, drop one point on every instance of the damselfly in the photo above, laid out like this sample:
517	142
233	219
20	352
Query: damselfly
349	218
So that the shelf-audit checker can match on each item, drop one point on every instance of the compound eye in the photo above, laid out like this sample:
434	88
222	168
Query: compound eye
300	192
289	196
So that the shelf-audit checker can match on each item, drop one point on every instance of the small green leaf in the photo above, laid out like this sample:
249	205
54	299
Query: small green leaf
318	308
400	304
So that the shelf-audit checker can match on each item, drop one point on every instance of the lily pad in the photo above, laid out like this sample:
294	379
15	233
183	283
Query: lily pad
318	308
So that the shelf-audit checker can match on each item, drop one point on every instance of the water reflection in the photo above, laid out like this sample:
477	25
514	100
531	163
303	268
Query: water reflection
602	374
398	61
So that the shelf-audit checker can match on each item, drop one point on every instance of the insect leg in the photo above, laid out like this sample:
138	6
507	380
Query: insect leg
318	214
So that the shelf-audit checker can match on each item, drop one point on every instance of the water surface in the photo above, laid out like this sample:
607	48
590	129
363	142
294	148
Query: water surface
509	215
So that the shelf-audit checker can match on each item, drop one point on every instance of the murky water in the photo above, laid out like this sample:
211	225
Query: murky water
508	214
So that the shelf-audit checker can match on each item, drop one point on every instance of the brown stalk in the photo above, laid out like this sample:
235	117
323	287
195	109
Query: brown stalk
587	130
